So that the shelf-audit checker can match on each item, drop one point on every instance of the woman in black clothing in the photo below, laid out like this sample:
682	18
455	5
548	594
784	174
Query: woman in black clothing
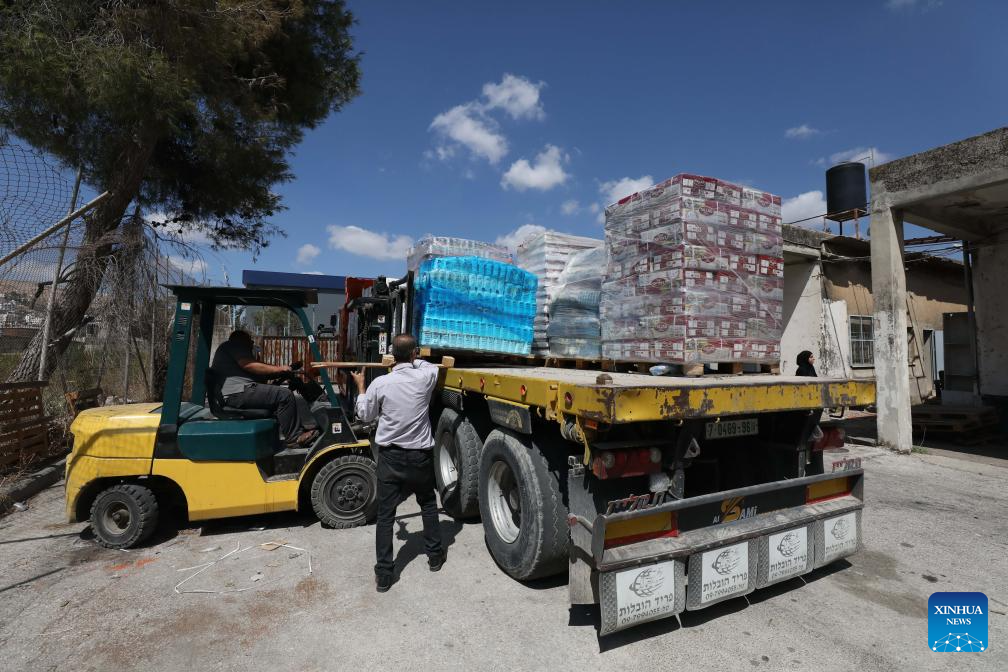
805	361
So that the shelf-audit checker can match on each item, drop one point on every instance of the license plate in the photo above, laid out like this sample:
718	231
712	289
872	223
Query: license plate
728	429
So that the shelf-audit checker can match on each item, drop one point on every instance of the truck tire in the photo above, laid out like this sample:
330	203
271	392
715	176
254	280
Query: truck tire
344	492
124	515
457	450
524	518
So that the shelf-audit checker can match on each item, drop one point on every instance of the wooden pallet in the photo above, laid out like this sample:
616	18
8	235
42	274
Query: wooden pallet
927	413
478	358
24	426
727	368
962	420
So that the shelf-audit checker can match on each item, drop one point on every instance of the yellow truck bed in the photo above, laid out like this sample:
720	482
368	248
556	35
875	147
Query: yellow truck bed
636	397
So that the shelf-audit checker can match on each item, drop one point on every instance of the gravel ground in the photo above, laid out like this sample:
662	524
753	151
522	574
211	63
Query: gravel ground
931	523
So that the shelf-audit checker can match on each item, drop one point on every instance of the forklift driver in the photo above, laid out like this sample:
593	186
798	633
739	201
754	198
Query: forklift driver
235	364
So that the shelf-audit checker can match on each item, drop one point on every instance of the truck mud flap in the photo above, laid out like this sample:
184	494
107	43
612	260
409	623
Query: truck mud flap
640	594
717	547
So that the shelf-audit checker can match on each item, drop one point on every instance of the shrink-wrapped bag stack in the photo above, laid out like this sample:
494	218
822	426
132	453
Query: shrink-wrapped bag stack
431	247
546	255
574	329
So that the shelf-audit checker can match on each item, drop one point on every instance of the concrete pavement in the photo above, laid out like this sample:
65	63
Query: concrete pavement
931	523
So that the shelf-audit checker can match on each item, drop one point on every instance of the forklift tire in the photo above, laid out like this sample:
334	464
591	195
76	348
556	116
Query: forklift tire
344	492
524	517
124	515
457	450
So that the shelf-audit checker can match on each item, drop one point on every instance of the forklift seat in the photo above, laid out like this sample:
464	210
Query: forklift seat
219	407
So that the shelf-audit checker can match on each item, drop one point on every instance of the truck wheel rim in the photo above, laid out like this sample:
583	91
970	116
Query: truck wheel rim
447	460
505	502
116	518
349	491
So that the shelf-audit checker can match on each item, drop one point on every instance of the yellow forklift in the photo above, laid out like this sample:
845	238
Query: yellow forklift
131	462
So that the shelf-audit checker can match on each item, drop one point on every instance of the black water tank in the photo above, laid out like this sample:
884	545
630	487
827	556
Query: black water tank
846	194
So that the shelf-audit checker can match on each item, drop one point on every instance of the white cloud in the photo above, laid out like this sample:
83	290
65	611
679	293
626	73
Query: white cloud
466	125
803	206
801	132
594	207
314	273
515	238
192	267
307	253
470	125
546	173
614	190
862	154
571	207
190	233
366	243
517	96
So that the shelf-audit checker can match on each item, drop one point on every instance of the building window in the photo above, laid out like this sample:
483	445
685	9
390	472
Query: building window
862	341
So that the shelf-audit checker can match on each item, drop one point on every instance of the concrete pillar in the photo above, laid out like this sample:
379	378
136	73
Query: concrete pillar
892	376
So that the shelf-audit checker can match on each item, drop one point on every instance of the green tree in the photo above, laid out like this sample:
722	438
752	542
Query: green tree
184	106
273	321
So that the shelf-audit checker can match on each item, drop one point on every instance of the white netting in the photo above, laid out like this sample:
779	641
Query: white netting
120	343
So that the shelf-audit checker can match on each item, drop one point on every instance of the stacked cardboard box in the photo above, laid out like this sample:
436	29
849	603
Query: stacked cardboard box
694	274
546	255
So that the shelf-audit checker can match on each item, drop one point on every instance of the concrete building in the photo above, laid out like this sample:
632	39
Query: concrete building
828	307
960	190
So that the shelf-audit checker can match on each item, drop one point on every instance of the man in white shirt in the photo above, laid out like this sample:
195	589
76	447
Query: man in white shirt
400	401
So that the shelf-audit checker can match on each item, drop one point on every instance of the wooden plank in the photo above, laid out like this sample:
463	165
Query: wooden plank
349	365
24	424
20	411
387	361
19	396
16	438
26	441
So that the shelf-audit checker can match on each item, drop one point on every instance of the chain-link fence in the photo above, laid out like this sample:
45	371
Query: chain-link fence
118	351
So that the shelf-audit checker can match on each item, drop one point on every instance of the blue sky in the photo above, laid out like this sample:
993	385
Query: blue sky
478	119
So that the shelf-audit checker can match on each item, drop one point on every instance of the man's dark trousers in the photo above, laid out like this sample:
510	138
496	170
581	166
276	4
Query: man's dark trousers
400	474
276	399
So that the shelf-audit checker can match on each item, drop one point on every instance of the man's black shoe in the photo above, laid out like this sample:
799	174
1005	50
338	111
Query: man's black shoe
383	583
437	562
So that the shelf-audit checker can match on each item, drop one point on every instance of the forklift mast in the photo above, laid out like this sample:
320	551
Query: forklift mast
381	315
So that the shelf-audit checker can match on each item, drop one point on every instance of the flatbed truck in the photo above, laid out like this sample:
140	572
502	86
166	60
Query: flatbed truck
654	493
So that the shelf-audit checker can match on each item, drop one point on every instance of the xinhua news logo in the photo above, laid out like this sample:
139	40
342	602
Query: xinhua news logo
957	622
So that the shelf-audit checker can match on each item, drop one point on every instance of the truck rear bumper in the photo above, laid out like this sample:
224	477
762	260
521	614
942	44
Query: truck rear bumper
721	546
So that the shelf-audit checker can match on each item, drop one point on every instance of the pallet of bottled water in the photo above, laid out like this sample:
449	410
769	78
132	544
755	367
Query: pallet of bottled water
473	303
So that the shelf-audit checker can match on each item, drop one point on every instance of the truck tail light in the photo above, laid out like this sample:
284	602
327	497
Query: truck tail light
831	489
623	463
641	528
833	437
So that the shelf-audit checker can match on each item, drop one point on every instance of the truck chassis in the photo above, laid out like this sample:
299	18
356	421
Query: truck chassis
648	541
